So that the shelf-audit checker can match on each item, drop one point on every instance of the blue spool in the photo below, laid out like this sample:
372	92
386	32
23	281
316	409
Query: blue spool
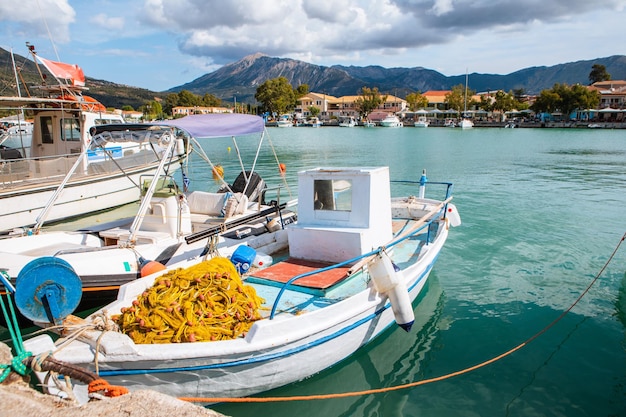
47	289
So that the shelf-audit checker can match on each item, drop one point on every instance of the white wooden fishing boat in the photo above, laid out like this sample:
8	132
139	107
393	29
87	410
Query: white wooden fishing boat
62	120
356	261
171	224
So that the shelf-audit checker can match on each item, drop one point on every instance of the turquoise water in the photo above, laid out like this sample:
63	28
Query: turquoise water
542	211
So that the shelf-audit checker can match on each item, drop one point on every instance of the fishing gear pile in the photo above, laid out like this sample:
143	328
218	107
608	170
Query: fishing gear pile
204	302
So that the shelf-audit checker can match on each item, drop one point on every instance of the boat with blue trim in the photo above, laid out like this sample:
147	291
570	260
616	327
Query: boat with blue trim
351	266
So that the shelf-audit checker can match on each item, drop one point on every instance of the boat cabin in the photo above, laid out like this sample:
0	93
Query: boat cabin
63	132
342	213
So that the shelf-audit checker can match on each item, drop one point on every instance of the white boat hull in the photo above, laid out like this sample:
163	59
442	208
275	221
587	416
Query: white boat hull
305	328
275	352
22	206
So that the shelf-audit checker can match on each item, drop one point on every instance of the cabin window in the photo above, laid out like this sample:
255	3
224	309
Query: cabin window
70	129
333	195
46	129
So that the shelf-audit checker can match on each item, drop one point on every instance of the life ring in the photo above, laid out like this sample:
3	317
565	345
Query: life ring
282	168
87	103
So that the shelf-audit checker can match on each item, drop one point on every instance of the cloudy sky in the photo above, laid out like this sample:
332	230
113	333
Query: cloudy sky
159	44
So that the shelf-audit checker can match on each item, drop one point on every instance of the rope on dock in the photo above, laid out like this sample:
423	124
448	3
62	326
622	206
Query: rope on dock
415	383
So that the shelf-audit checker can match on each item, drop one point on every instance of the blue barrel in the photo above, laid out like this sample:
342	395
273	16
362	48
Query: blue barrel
47	289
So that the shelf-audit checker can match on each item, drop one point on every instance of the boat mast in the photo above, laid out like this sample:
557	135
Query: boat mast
19	94
465	100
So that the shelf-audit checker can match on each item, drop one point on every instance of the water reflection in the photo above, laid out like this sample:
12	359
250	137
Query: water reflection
393	359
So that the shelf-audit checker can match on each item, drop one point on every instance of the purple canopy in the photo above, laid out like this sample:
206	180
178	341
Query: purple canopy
218	125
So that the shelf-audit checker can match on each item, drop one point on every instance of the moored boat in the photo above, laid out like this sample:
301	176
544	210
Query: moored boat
422	121
171	224
391	120
60	139
356	261
347	122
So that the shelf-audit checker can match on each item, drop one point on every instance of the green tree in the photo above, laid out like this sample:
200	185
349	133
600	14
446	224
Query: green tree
519	94
455	99
547	101
575	97
276	95
368	100
566	99
209	100
504	102
598	73
416	101
486	103
188	99
127	107
171	101
315	111
152	110
301	91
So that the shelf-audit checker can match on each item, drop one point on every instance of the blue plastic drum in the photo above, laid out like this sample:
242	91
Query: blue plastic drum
47	290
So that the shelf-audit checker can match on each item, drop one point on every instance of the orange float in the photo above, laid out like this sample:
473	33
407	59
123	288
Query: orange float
218	172
87	103
282	168
151	267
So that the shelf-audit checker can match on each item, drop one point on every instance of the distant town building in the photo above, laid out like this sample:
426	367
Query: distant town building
132	115
331	106
612	93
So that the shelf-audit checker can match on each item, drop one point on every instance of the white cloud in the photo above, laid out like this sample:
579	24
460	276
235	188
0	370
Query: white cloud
108	22
30	18
442	7
495	36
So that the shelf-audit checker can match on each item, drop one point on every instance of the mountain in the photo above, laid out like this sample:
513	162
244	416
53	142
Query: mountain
108	93
241	79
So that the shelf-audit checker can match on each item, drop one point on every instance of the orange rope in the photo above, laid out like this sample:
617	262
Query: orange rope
411	384
109	390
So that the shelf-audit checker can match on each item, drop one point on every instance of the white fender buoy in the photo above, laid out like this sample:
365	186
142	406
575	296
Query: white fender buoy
452	214
180	146
390	282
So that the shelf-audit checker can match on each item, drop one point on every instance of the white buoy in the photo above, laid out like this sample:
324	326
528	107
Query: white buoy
390	282
452	214
180	146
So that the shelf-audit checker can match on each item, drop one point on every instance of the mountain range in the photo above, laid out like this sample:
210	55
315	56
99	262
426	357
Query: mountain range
240	80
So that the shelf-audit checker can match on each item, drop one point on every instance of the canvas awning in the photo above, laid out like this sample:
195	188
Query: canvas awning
218	125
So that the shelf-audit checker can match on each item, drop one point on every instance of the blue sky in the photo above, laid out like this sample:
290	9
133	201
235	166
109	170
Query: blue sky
159	44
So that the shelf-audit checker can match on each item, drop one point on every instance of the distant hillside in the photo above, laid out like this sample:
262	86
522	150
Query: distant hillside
108	93
242	78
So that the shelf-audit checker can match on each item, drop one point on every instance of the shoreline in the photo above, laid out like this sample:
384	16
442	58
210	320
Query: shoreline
514	124
18	398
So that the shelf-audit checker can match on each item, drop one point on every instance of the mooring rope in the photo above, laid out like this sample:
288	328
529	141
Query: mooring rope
415	383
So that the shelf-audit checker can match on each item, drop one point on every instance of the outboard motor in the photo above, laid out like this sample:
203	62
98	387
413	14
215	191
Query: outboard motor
255	189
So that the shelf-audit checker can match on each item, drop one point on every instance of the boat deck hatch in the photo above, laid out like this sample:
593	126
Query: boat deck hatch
280	273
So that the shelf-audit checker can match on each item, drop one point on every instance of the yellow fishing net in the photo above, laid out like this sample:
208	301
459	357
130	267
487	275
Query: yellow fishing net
204	302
